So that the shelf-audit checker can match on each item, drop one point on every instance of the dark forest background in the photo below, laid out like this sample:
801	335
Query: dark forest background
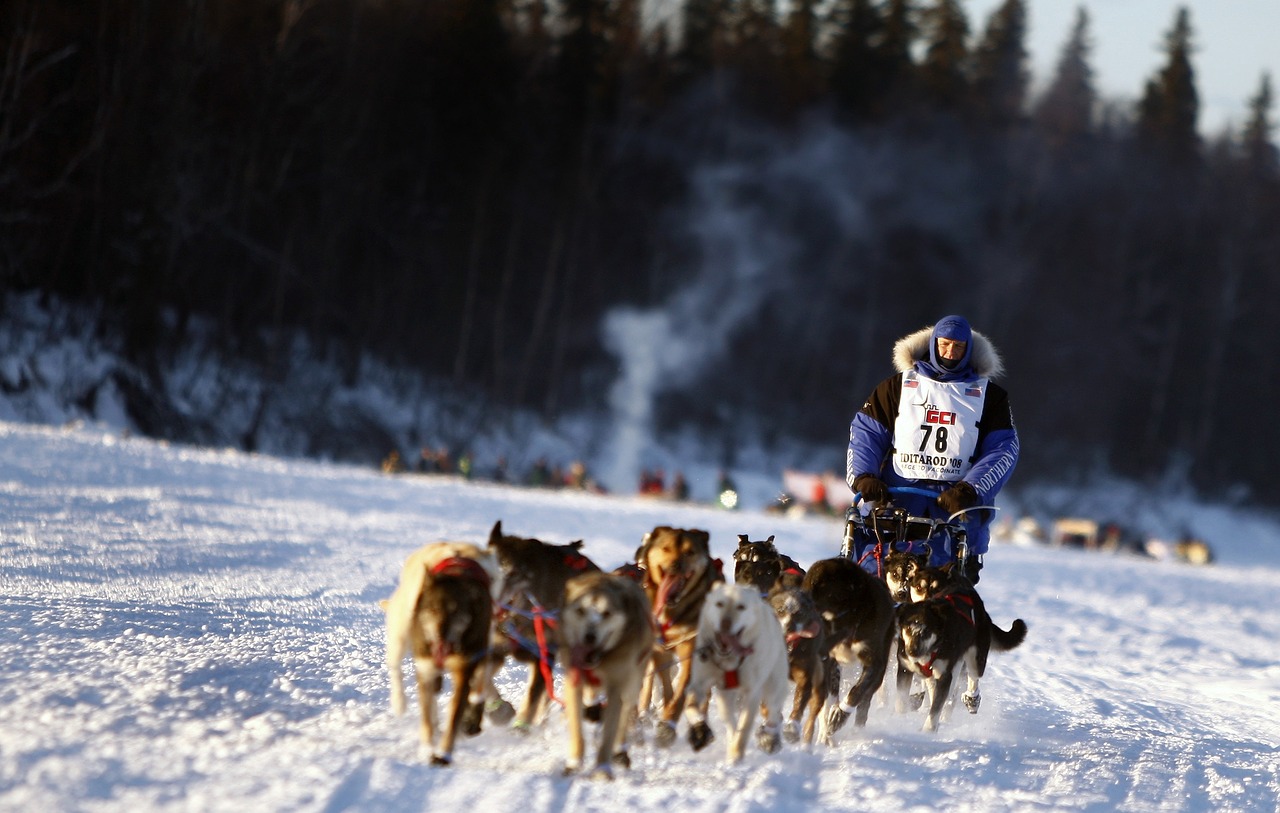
469	188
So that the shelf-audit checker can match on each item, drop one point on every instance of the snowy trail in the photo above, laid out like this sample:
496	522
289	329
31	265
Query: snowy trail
198	630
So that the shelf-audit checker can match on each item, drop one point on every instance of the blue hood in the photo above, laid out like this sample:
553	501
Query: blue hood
949	327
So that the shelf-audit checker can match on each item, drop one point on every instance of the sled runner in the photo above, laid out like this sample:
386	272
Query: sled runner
872	535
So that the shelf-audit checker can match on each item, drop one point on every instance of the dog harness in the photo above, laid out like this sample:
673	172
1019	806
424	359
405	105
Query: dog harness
460	567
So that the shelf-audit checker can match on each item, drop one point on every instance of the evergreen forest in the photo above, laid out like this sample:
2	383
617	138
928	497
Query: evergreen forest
508	196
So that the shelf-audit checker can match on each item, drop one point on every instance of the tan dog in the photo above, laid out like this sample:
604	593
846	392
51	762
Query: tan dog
606	639
440	613
678	573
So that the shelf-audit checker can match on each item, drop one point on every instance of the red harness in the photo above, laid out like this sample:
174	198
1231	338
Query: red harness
460	567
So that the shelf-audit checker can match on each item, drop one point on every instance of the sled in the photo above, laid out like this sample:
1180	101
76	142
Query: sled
870	537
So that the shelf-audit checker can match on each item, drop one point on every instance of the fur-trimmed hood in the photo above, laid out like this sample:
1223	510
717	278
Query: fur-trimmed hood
914	347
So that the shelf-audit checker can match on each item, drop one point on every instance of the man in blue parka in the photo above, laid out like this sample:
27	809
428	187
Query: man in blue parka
939	424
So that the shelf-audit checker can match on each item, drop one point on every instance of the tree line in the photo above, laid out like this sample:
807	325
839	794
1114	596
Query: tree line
469	188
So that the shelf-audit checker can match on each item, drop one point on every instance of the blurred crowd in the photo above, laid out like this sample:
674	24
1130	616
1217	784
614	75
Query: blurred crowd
542	473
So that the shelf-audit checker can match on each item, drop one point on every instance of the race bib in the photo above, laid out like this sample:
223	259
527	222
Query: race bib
936	431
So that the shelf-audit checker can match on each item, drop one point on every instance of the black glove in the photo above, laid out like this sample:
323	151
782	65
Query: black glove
871	488
957	498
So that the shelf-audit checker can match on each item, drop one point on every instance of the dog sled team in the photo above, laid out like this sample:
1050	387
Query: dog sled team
646	646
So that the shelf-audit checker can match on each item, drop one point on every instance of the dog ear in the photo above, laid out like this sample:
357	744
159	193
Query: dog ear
496	533
576	544
743	540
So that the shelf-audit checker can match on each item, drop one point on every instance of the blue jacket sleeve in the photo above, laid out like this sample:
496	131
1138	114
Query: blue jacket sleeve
869	443
997	455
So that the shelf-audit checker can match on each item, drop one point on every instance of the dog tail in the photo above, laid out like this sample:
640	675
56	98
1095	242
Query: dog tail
1004	641
399	609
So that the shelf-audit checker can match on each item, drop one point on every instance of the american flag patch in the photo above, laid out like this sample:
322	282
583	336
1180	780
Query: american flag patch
911	383
973	392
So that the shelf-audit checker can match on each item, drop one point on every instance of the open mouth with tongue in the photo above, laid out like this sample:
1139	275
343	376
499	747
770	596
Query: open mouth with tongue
797	634
669	590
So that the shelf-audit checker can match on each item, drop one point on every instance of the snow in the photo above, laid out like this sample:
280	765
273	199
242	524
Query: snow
197	629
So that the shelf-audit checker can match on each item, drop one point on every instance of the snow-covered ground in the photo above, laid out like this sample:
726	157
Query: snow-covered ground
187	629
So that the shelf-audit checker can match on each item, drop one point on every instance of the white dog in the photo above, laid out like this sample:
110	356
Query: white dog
742	654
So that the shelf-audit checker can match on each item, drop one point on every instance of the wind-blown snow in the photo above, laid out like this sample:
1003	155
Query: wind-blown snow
199	630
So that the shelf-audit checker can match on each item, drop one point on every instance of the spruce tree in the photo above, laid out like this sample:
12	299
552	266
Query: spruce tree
1260	152
858	79
1000	66
1170	105
1065	111
944	71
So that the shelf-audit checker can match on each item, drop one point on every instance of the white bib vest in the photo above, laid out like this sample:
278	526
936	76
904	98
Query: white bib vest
936	432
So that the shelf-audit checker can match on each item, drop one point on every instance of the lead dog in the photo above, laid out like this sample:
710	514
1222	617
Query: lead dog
678	573
858	614
742	655
440	614
535	574
946	626
606	639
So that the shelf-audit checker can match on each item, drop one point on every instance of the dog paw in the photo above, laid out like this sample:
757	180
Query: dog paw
665	734
917	700
836	718
521	727
500	711
769	741
441	761
594	712
622	760
971	702
791	732
700	736
471	719
602	772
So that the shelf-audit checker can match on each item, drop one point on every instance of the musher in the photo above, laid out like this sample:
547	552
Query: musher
940	424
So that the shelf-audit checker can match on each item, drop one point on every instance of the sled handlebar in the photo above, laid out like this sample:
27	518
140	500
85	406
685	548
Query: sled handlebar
924	492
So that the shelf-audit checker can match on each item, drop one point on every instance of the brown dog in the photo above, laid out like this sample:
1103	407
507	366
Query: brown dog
678	573
859	625
802	627
535	574
440	614
606	639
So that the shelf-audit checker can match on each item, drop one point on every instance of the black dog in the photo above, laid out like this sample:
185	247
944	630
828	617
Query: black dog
945	626
762	566
857	611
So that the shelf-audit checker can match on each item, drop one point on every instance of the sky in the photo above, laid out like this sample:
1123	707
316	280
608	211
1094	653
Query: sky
1235	39
198	630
